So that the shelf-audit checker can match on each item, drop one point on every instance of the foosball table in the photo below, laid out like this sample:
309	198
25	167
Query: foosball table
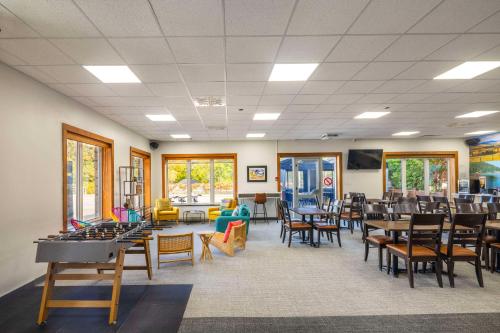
91	248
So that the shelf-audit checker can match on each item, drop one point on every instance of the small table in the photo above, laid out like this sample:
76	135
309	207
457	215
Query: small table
200	214
206	237
311	211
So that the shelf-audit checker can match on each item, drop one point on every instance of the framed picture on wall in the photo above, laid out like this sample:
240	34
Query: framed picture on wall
257	173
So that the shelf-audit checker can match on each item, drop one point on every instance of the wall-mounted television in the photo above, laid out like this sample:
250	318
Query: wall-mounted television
370	159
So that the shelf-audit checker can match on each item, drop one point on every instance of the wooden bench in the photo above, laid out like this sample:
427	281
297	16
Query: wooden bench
237	239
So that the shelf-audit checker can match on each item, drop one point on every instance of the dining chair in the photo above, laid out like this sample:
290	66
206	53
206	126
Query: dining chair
486	198
422	201
424	242
444	205
260	199
473	235
403	209
293	227
473	208
387	195
430	208
462	201
409	200
493	209
282	218
332	223
495	249
355	213
469	197
379	241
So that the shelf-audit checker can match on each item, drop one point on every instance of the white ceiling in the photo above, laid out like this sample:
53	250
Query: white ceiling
372	54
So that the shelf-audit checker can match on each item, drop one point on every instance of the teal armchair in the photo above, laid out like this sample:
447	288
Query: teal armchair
226	216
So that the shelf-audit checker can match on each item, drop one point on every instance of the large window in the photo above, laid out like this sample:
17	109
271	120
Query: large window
199	179
87	176
421	173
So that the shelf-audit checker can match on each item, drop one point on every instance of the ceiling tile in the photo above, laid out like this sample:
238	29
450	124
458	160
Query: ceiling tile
52	18
130	89
248	72
207	88
343	98
353	87
251	49
35	51
311	49
10	60
36	73
12	27
276	99
329	17
360	48
414	47
456	16
492	54
492	24
466	47
257	17
337	71
409	98
156	73
382	70
203	50
89	51
391	16
242	100
69	74
435	86
427	69
375	98
143	51
91	89
130	18
398	86
309	99
321	87
283	88
202	73
245	88
190	18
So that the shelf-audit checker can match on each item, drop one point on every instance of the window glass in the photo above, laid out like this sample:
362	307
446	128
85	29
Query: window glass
91	180
438	175
393	180
177	181
328	179
415	174
223	180
200	181
72	179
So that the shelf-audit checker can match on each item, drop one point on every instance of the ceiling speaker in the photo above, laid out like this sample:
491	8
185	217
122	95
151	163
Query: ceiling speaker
153	145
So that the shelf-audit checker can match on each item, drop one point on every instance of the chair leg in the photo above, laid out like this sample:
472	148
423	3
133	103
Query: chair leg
486	256
265	213
380	254
410	273
388	262
290	238
493	259
255	214
367	246
439	270
331	236
450	265
479	273
338	237
284	235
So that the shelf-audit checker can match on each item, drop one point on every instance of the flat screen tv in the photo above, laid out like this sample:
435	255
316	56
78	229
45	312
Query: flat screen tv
364	159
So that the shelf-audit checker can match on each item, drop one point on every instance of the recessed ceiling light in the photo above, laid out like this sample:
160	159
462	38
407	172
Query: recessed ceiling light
468	70
160	117
292	72
479	133
372	115
113	74
405	133
180	136
476	114
266	116
256	135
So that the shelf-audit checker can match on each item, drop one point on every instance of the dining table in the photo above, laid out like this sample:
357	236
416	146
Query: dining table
311	212
494	225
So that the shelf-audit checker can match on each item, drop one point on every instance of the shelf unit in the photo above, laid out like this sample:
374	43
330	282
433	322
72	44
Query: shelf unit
131	187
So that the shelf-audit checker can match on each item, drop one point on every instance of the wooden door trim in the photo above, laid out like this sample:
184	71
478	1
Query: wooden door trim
146	156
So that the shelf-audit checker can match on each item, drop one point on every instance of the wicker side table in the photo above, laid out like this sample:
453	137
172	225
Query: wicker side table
205	237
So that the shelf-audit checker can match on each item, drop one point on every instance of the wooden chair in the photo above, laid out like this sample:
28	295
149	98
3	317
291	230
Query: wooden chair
424	243
175	244
293	227
495	248
422	201
493	209
375	212
237	240
355	213
403	209
282	217
468	197
429	208
462	201
444	205
332	223
451	253
472	208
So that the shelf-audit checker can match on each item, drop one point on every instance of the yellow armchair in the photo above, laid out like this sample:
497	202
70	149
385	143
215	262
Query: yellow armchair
164	211
214	212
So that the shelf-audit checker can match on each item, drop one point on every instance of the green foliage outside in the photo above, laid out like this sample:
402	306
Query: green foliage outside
89	165
415	174
438	174
394	174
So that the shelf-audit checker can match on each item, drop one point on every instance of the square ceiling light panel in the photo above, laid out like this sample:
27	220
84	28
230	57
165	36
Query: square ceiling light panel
372	115
113	74
160	117
477	114
468	70
292	72
266	116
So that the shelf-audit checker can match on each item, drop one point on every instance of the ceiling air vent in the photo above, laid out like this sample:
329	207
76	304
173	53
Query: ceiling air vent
328	136
216	128
429	135
209	101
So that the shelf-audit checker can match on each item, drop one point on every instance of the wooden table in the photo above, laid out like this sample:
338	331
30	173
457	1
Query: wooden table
206	237
311	211
495	226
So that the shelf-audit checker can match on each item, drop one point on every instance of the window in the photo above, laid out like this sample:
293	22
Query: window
141	160
199	179
87	177
421	173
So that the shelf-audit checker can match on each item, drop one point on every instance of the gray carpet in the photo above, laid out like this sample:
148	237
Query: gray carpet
463	322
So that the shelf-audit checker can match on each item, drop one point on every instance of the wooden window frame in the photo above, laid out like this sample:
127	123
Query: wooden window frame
146	157
338	155
420	154
166	157
107	178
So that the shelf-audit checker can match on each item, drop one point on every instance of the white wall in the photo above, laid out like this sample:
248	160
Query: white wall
264	153
31	115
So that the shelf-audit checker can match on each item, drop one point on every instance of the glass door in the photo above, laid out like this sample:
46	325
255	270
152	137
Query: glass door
286	180
307	184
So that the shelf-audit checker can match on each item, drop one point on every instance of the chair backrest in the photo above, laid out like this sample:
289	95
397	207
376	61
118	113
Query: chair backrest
396	195
422	201
387	195
493	210
163	204
375	211
469	197
175	243
260	198
473	208
462	200
337	207
445	204
285	211
405	209
244	210
425	198
428	207
425	229
410	200
238	234
486	198
473	235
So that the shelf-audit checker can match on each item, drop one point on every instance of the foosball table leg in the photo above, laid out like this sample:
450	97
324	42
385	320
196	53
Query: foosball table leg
46	293
115	294
148	258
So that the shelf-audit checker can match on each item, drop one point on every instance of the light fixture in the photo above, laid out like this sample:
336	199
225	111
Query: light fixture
266	116
292	72
372	115
405	133
180	136
468	70
479	133
476	114
160	117
256	135
113	74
